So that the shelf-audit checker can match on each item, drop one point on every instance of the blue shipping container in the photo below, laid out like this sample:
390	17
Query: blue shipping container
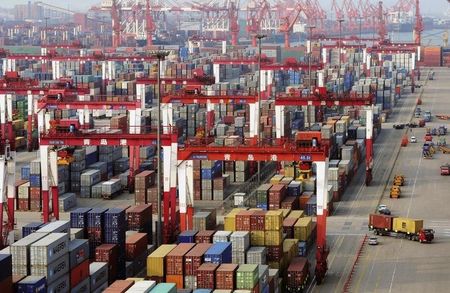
30	228
219	253
311	206
32	284
202	291
302	248
294	189
79	218
25	172
115	218
96	217
187	236
35	180
6	265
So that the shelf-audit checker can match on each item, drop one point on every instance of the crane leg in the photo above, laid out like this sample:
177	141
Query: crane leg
322	204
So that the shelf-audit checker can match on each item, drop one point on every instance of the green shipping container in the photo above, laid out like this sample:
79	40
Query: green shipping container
165	288
247	276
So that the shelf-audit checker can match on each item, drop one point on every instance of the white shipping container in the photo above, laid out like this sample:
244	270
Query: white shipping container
52	271
67	201
56	227
111	186
20	253
48	249
221	236
23	190
142	287
90	177
257	255
240	241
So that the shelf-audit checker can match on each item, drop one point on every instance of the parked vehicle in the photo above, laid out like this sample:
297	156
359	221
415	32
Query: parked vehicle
413	139
426	152
399	126
442	141
442	130
444	149
398	227
382	207
445	170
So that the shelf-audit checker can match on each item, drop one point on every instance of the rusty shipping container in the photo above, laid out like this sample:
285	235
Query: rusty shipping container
206	276
226	276
194	258
175	258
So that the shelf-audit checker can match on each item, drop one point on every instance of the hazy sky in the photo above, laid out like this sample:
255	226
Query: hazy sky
428	6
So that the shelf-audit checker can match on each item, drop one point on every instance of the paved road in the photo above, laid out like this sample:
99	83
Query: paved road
402	265
348	225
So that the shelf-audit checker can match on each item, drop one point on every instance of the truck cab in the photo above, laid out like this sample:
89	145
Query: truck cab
427	116
445	170
426	235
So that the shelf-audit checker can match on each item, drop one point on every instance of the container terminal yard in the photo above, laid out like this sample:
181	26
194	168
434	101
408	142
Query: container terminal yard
223	147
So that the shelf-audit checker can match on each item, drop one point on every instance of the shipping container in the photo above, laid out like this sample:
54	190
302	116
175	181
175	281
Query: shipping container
55	227
206	275
34	284
83	287
119	286
156	261
20	252
303	228
408	226
142	287
218	253
78	252
187	236
62	284
175	259
98	272
49	249
297	275
378	221
247	276
53	270
135	245
164	288
79	273
194	258
226	276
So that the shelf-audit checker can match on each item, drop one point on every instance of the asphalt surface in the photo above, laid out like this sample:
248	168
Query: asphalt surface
397	265
348	225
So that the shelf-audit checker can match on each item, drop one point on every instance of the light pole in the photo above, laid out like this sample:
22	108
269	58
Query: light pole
161	55
259	37
360	30
339	45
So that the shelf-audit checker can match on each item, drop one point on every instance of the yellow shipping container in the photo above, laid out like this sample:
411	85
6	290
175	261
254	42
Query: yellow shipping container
229	221
276	265
286	212
257	238
405	225
297	214
302	228
273	220
290	249
273	238
276	179
156	260
289	171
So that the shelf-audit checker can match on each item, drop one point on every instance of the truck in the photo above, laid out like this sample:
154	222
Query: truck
399	227
427	116
445	170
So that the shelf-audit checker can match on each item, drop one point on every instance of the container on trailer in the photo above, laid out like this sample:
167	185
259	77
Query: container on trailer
225	276
194	258
175	259
34	284
405	225
156	260
98	272
218	253
378	221
206	275
53	270
49	249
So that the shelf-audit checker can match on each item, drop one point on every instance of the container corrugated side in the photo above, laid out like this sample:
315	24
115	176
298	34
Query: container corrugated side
56	227
49	248
78	251
164	288
83	287
142	287
54	270
156	260
62	284
98	272
20	252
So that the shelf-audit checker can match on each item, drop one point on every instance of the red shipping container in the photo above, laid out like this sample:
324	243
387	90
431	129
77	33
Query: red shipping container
135	245
194	258
175	258
35	205
306	195
205	236
297	273
24	205
206	276
290	202
139	216
108	253
94	234
288	227
6	285
243	220
380	221
274	253
119	286
79	273
226	276
177	279
257	221
276	196
35	193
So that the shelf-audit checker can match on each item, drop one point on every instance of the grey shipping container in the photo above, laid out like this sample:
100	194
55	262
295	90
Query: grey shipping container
67	201
54	270
99	274
35	167
257	255
49	248
56	227
76	233
78	252
83	287
61	285
90	177
100	288
111	187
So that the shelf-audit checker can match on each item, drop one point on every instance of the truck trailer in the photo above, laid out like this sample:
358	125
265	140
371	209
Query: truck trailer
398	227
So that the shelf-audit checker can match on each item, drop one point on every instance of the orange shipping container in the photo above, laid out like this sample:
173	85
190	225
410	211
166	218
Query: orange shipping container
177	279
